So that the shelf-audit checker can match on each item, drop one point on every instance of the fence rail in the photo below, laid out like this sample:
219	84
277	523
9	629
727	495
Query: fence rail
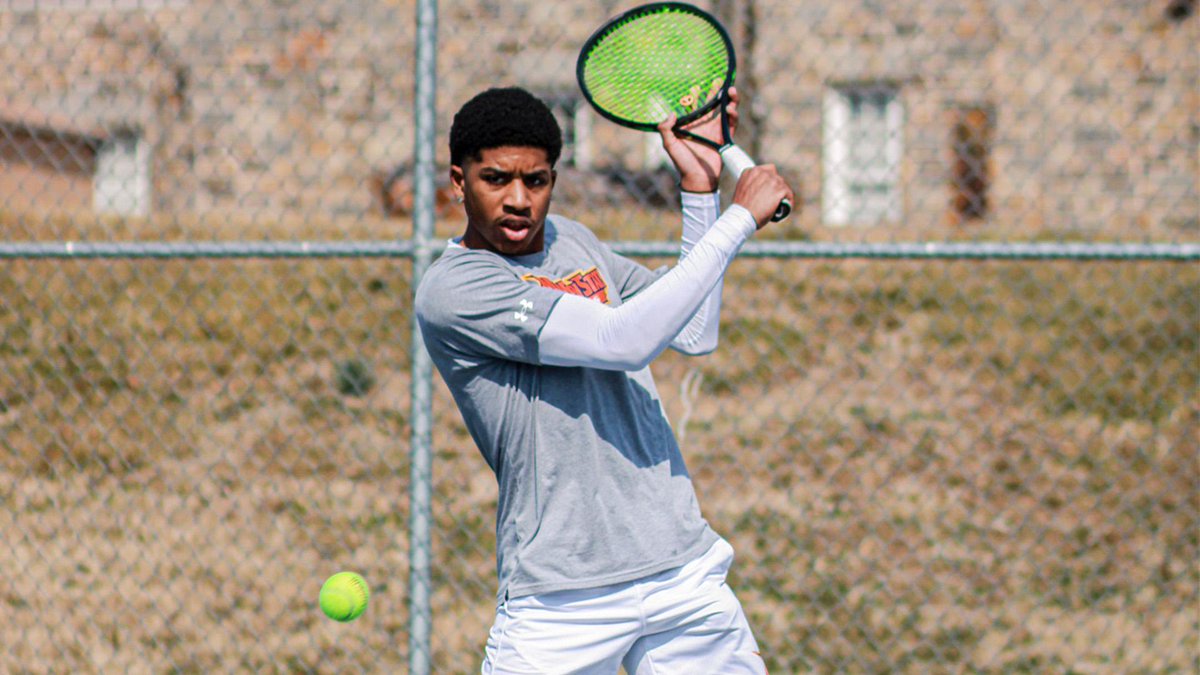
782	249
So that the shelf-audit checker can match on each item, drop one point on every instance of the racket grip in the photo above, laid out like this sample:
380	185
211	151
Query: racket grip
736	161
783	211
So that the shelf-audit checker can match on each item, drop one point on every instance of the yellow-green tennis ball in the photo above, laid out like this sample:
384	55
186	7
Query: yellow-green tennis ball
344	596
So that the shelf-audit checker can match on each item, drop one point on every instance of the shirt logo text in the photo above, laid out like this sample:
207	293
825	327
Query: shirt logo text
585	283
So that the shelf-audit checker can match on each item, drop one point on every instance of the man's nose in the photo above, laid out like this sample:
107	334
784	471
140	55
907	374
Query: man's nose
517	197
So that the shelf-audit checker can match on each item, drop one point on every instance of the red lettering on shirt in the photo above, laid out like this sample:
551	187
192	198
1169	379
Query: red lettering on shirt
585	283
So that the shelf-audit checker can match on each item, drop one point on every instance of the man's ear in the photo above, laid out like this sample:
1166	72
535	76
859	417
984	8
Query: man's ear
458	181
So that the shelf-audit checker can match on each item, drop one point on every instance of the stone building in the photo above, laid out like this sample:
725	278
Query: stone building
1024	115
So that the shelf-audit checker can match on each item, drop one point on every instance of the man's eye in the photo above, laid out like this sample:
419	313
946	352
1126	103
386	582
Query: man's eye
536	181
494	179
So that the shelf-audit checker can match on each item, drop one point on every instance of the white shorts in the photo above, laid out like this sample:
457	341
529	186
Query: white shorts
685	620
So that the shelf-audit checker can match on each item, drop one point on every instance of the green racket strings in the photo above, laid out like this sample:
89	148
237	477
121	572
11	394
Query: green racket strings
654	64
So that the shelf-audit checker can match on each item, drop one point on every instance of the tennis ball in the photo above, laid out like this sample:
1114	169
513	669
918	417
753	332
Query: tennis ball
344	596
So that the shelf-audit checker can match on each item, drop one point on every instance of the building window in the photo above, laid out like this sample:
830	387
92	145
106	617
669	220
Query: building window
971	173
42	167
863	145
1178	10
121	183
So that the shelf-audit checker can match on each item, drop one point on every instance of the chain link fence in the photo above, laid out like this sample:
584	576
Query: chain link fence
952	426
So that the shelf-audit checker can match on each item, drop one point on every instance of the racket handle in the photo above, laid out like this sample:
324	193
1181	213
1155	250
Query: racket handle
736	161
782	211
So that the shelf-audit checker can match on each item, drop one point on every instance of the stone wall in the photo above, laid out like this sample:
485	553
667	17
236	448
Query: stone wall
1096	102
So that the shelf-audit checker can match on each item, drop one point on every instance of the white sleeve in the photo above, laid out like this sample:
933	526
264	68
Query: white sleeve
702	332
582	332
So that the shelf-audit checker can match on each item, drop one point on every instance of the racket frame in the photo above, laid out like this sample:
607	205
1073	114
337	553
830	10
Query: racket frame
735	159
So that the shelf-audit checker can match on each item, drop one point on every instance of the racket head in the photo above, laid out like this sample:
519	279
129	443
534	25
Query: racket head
643	64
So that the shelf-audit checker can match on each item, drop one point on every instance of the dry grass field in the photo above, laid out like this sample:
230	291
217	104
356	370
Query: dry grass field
923	466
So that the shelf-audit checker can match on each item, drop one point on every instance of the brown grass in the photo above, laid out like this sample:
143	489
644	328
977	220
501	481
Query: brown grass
945	466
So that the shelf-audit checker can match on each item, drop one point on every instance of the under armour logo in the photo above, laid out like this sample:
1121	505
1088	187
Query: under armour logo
523	314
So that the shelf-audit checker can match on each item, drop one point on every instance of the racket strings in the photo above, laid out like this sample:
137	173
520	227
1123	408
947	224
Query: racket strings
654	64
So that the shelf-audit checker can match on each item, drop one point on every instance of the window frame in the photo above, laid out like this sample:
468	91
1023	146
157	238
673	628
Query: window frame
839	205
116	189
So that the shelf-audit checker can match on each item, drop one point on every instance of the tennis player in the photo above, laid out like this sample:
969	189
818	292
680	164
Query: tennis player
544	337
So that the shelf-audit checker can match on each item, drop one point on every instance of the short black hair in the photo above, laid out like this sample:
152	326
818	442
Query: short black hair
503	116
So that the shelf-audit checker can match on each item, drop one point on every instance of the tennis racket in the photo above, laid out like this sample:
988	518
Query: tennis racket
662	58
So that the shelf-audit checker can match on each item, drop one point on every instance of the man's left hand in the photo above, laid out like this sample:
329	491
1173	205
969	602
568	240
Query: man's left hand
699	165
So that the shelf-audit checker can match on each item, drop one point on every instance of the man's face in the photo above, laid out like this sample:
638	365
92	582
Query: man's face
506	193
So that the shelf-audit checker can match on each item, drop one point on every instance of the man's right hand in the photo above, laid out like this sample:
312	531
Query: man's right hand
759	191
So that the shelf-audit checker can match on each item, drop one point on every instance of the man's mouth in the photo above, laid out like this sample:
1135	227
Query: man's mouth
515	229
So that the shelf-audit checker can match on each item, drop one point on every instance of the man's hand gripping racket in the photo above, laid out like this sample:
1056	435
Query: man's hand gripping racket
672	61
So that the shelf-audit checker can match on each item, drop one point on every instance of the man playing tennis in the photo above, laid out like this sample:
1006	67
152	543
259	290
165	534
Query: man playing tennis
544	337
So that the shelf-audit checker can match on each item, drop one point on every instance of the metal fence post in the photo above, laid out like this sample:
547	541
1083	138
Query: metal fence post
420	504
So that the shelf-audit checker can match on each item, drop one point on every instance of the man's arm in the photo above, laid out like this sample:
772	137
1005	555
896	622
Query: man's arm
581	332
701	334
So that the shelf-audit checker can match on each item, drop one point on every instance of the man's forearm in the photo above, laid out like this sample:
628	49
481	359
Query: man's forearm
701	334
581	332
